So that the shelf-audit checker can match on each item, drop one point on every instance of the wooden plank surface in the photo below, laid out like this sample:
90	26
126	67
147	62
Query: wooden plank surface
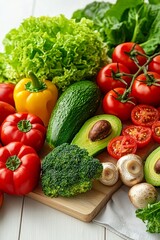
87	205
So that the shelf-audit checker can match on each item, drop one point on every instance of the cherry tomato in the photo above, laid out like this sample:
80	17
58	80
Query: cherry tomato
125	52
144	115
146	90
6	93
1	198
5	110
112	104
142	135
113	76
154	65
121	145
156	131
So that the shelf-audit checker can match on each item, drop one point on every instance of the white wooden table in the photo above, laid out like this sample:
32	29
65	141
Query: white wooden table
24	218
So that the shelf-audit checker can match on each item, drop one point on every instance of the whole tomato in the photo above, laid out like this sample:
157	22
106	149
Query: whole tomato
114	103
5	110
6	93
1	198
24	127
113	75
146	88
154	65
127	53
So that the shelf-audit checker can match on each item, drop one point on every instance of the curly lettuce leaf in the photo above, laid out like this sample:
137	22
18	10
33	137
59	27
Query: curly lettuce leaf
151	216
55	48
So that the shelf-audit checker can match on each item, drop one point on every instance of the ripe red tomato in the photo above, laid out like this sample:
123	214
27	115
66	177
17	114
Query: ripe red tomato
146	90
6	93
142	135
1	198
112	104
5	110
154	65
144	115
159	112
125	52
121	145
113	76
156	131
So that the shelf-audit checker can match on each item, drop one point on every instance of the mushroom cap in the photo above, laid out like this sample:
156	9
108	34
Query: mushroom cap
110	174
131	170
141	194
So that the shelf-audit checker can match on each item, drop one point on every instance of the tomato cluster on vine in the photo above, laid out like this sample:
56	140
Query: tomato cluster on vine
130	78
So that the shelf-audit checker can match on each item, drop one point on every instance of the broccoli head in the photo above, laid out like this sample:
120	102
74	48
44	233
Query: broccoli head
69	170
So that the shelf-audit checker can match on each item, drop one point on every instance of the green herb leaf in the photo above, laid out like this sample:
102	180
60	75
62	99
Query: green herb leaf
151	217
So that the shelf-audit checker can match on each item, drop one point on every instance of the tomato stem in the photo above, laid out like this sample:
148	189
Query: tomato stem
140	69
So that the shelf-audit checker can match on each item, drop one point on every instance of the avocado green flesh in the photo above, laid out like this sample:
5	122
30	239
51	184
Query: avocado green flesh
81	138
150	175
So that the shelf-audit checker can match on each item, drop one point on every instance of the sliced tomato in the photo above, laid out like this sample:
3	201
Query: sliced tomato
144	115
121	145
156	131
142	135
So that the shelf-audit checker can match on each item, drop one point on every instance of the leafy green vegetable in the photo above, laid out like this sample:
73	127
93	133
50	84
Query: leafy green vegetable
135	21
54	48
151	216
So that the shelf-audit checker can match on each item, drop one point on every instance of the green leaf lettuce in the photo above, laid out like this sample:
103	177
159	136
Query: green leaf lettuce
53	48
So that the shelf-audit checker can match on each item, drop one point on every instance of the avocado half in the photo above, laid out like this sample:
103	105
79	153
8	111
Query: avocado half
94	147
152	168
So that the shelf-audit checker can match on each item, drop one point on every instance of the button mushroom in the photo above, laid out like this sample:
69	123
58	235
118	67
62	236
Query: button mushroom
141	194
130	168
110	174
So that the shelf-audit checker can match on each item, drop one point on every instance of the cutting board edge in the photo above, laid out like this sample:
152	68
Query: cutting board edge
88	217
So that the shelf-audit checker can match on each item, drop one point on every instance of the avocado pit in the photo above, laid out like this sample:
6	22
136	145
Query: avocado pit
100	130
157	166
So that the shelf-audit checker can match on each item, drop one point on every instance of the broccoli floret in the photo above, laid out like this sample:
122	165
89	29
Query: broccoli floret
69	170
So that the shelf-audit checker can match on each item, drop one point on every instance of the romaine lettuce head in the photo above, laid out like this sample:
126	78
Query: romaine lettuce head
54	48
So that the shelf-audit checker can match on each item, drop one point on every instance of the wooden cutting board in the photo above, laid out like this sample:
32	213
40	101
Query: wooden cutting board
87	205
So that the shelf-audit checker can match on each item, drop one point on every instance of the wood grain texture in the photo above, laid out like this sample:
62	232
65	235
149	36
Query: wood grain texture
84	206
87	205
41	222
10	217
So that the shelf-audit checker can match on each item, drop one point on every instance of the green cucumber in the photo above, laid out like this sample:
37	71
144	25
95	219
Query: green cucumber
78	103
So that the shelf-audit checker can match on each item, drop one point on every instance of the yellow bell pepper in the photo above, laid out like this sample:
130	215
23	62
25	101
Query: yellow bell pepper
36	97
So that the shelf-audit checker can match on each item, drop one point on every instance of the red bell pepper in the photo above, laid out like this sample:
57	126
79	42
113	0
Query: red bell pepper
6	93
20	168
5	110
23	127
